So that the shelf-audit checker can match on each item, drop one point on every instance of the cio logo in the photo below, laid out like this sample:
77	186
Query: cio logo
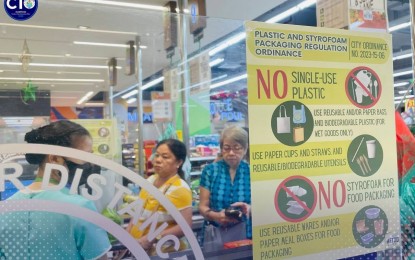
20	9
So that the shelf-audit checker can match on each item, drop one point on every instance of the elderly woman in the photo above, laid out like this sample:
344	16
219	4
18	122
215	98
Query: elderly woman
225	184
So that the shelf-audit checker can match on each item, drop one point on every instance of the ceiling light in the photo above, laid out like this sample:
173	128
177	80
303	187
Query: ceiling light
240	36
84	98
106	44
144	87
205	82
231	80
401	73
58	56
59	65
400	101
65	28
283	15
216	62
73	72
131	100
400	84
306	4
101	44
152	83
82	27
229	42
52	79
68	83
123	4
291	11
404	56
94	104
407	96
399	26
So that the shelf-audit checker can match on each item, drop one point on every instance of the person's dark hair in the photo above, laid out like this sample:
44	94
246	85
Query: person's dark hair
60	133
179	151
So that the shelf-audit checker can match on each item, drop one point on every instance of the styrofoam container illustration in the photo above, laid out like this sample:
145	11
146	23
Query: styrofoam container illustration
295	208
366	239
372	213
297	191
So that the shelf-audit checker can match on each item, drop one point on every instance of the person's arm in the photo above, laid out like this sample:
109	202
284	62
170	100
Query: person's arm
207	212
175	230
204	202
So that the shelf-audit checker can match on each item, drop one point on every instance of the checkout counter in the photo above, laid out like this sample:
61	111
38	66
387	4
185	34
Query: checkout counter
242	252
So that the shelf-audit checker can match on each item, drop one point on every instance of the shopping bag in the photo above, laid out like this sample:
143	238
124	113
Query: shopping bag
215	237
234	233
298	134
212	240
299	115
283	121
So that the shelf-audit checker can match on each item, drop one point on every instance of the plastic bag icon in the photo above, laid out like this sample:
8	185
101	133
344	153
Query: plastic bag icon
299	115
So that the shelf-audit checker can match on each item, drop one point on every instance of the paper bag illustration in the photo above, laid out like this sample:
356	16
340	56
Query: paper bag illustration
298	134
283	121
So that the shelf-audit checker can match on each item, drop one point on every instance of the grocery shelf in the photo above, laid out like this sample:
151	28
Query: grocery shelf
206	158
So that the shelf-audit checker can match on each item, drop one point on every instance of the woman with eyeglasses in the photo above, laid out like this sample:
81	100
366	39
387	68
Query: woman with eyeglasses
225	191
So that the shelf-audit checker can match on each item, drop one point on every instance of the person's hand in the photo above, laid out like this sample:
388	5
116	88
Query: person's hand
222	219
246	208
144	243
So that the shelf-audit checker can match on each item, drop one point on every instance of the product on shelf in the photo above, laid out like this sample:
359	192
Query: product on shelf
204	145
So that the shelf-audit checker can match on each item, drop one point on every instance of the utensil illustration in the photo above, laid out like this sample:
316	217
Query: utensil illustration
354	86
366	162
375	88
365	165
359	162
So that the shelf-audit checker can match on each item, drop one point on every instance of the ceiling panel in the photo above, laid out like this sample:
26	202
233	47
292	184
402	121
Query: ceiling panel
54	28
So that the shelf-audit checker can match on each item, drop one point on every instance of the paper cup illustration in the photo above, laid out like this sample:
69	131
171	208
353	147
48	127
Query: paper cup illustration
371	148
379	227
361	226
359	94
364	78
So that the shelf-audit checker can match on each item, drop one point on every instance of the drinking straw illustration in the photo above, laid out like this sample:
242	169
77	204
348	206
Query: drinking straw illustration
358	148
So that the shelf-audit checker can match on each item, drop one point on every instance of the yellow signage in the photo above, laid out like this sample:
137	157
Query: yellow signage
321	122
